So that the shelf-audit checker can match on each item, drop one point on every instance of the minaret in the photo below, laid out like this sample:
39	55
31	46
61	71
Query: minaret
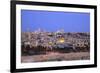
29	36
39	30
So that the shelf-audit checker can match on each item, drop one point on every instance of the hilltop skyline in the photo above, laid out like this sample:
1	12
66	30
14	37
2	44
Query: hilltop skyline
49	21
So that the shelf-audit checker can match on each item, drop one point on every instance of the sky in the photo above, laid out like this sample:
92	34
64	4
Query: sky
52	21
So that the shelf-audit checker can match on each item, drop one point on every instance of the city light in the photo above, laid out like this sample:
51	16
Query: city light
61	40
44	39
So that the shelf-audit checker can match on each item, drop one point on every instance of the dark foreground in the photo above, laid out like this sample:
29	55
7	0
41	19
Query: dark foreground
54	56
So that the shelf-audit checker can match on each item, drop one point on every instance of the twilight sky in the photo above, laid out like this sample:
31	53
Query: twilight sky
52	21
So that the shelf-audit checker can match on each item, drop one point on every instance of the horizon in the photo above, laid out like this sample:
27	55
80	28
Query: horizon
41	30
